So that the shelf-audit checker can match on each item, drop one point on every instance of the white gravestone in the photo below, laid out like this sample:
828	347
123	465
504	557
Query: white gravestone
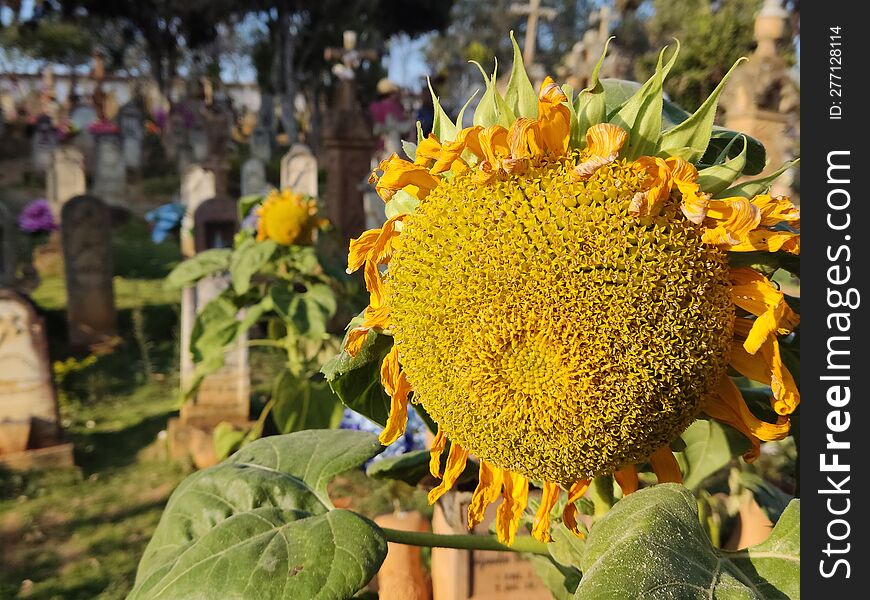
197	186
299	171
65	178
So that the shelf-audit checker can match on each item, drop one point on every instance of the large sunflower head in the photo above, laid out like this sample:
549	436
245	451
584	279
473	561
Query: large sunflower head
288	218
557	283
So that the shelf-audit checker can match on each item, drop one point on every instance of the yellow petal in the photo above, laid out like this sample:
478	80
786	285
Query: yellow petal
626	477
766	367
487	491
360	248
658	186
569	513
729	221
455	465
399	173
355	340
603	141
428	150
397	387
775	210
554	116
451	152
516	496
681	170
541	525
754	293
438	445
494	144
666	468
765	240
525	139
728	402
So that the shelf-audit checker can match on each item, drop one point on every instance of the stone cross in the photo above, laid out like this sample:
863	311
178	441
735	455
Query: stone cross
534	11
299	171
87	252
346	60
28	406
8	246
110	173
65	178
254	177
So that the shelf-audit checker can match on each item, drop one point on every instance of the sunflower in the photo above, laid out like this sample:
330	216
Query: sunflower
287	217
560	297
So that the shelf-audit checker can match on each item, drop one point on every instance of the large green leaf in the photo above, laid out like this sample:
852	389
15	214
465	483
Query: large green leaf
260	526
651	545
309	310
709	446
520	94
357	380
247	259
410	467
718	177
751	188
302	404
193	269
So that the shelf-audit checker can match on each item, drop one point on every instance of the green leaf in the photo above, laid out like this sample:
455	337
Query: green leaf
713	180
309	311
410	467
492	108
260	526
562	581
202	265
402	203
302	404
246	203
641	115
690	138
410	150
748	189
215	326
709	446
520	94
590	107
443	128
772	500
228	438
357	380
247	260
651	545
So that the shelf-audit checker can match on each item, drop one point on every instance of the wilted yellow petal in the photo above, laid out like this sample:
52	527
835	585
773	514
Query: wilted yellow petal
603	141
438	445
730	220
541	525
397	387
569	513
754	293
775	210
451	152
766	366
525	138
360	248
455	465
399	173
729	401
487	491
428	150
626	477
516	496
658	187
554	116
665	466
766	240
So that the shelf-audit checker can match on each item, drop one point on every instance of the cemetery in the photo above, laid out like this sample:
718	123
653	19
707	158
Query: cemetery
432	301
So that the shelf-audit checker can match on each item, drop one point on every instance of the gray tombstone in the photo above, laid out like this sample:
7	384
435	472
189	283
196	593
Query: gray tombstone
65	177
198	139
8	246
254	178
87	252
261	144
110	174
225	394
299	171
132	134
44	142
28	406
83	115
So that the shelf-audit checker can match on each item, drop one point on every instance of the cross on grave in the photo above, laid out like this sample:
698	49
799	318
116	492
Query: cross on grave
534	11
347	59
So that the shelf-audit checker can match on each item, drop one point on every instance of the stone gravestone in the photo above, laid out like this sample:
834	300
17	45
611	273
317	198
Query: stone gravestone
29	431
110	174
198	139
254	177
132	134
197	186
83	115
87	252
44	142
261	143
223	396
299	171
65	178
8	246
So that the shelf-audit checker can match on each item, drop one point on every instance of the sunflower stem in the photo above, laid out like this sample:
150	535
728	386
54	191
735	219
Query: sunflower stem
602	494
464	542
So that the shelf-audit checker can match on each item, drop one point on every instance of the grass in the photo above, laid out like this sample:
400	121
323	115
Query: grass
79	534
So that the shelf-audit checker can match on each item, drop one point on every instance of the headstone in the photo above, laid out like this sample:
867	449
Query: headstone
110	173
8	246
87	251
65	178
198	138
83	115
261	143
132	134
299	171
197	186
44	142
29	430
254	177
478	574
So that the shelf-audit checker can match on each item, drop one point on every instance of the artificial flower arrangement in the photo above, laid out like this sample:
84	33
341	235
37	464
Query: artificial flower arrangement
578	294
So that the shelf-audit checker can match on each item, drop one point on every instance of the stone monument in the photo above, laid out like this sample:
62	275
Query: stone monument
132	134
299	170
44	142
254	178
110	174
65	177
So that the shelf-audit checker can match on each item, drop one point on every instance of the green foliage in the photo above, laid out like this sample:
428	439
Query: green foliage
261	525
653	554
300	404
708	446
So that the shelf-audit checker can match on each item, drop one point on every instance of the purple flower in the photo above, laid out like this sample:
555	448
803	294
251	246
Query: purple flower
36	217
